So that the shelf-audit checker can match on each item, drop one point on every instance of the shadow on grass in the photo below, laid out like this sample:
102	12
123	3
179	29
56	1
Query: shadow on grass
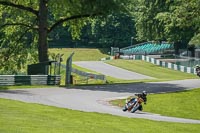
96	84
4	87
104	50
26	87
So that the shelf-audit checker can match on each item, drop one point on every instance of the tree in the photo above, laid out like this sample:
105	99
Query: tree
115	30
147	26
40	17
182	24
171	20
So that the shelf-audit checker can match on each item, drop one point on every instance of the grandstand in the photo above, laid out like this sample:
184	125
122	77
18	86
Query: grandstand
146	48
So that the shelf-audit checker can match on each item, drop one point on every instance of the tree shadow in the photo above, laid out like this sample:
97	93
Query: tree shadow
4	89
104	50
136	87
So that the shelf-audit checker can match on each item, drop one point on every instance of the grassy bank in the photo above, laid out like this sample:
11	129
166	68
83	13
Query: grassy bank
81	54
25	87
19	117
142	67
180	104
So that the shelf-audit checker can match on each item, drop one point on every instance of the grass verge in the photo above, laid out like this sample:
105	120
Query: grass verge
183	104
81	54
19	117
142	67
25	87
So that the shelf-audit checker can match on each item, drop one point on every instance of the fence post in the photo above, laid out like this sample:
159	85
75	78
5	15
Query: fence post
68	70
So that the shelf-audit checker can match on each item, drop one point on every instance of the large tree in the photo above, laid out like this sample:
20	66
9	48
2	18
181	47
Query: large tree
22	20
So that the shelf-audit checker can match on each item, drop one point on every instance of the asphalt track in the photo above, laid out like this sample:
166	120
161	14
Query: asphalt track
109	70
95	98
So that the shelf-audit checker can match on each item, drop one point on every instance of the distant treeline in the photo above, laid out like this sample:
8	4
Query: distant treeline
112	31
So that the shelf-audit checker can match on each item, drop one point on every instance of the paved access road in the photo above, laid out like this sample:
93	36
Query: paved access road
94	98
109	70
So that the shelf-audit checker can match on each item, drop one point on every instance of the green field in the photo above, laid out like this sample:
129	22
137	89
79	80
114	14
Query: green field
19	117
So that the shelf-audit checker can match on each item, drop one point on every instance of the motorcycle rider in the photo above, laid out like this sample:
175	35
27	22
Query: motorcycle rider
142	95
197	68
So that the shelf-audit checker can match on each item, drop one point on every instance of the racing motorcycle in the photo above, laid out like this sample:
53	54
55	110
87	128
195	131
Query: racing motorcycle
133	105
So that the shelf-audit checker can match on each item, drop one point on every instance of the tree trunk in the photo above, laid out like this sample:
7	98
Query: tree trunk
176	47
192	50
42	41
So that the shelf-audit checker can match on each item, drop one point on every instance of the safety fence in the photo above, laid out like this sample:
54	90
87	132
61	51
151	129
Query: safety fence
88	75
169	65
6	80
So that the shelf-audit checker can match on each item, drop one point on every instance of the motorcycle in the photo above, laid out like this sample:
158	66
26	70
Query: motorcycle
133	105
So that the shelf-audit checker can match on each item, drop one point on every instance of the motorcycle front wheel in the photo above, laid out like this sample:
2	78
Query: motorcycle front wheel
135	108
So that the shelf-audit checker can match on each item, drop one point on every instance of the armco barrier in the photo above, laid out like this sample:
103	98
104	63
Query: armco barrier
169	65
89	75
6	80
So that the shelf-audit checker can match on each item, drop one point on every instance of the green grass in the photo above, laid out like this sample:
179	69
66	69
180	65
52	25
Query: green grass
19	117
81	54
160	73
180	104
25	87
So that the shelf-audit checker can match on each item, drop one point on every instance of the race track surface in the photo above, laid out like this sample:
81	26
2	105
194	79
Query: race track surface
94	98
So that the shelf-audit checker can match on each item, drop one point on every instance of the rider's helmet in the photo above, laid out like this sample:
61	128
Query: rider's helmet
197	66
144	93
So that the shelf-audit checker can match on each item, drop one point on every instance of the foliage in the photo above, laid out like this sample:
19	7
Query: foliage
115	30
35	118
28	23
147	26
168	20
